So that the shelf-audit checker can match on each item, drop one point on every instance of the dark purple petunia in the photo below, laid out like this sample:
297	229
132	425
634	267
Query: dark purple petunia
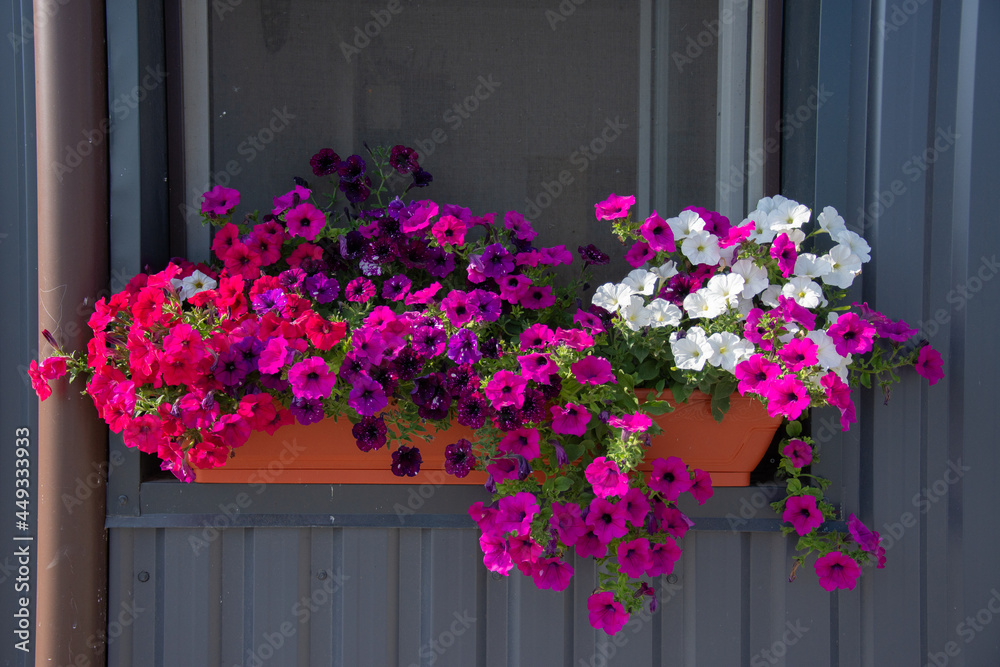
357	191
404	159
473	409
533	408
370	433
406	461
497	261
325	162
461	379
351	169
459	458
321	288
352	244
592	255
407	364
463	347
440	263
509	418
307	410
421	179
491	348
231	367
430	395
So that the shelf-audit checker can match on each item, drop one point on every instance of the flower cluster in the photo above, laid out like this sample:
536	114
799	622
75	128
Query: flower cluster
757	308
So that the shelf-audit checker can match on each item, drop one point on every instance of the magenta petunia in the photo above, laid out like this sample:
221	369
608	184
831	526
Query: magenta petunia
658	234
634	557
552	574
639	254
522	441
449	230
305	220
791	311
609	520
496	557
311	378
537	366
219	201
787	396
567	522
593	370
520	225
798	353
670	477
506	388
798	452
783	250
590	545
537	336
756	374
837	570
929	364
517	513
631	423
572	419
606	478
851	335
802	513
359	290
662	557
606	613
838	394
537	297
701	486
868	540
613	207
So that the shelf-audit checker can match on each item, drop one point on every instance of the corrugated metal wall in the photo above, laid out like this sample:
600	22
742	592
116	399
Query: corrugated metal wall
904	142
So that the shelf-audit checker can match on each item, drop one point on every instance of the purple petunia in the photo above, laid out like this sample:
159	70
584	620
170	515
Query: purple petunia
367	396
458	458
406	461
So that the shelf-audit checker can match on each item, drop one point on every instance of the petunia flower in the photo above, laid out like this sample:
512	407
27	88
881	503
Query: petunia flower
305	220
593	370
613	207
606	613
606	478
367	396
406	461
572	419
458	458
783	250
219	201
658	234
552	574
929	364
802	513
837	570
312	378
670	477
798	452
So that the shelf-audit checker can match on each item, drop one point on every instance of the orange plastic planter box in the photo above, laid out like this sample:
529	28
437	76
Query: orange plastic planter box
325	452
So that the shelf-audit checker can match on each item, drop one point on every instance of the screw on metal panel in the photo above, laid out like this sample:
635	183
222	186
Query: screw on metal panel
144	576
496	576
671	578
321	575
123	500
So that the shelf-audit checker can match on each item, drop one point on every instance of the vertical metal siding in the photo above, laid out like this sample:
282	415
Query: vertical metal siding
419	595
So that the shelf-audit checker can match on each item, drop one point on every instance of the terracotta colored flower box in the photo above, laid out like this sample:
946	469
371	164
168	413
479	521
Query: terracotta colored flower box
325	453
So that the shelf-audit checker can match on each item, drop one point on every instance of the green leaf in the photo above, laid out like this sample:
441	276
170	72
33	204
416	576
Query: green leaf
657	408
562	483
640	354
574	450
681	392
648	370
794	487
794	429
720	406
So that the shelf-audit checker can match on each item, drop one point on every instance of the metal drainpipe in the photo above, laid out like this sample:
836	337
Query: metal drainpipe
71	102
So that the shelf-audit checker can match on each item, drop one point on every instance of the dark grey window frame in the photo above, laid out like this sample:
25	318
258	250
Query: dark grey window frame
146	163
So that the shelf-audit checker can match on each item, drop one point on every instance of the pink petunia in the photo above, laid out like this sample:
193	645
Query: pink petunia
449	230
798	452
495	555
572	419
520	225
634	557
311	378
613	207
670	477
506	388
756	374
701	486
658	234
305	220
606	478
838	394
783	250
837	570
567	522
787	396
636	507
537	366
607	519
662	557
552	574
802	513
851	335
590	545
593	370
639	254
631	423
522	441
606	613
798	353
219	201
929	364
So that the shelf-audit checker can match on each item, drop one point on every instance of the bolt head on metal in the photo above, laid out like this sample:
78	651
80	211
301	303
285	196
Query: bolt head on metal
496	576
321	575
123	500
672	578
143	576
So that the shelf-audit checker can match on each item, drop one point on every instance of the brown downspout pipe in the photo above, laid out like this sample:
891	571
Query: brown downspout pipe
71	103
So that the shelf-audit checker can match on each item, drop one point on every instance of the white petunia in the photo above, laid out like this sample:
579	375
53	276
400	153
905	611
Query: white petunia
612	296
857	245
788	216
704	304
796	236
196	282
641	281
762	232
768	204
728	286
728	349
692	351
807	293
769	297
635	314
754	277
702	248
686	224
811	266
666	271
844	266
662	313
831	222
